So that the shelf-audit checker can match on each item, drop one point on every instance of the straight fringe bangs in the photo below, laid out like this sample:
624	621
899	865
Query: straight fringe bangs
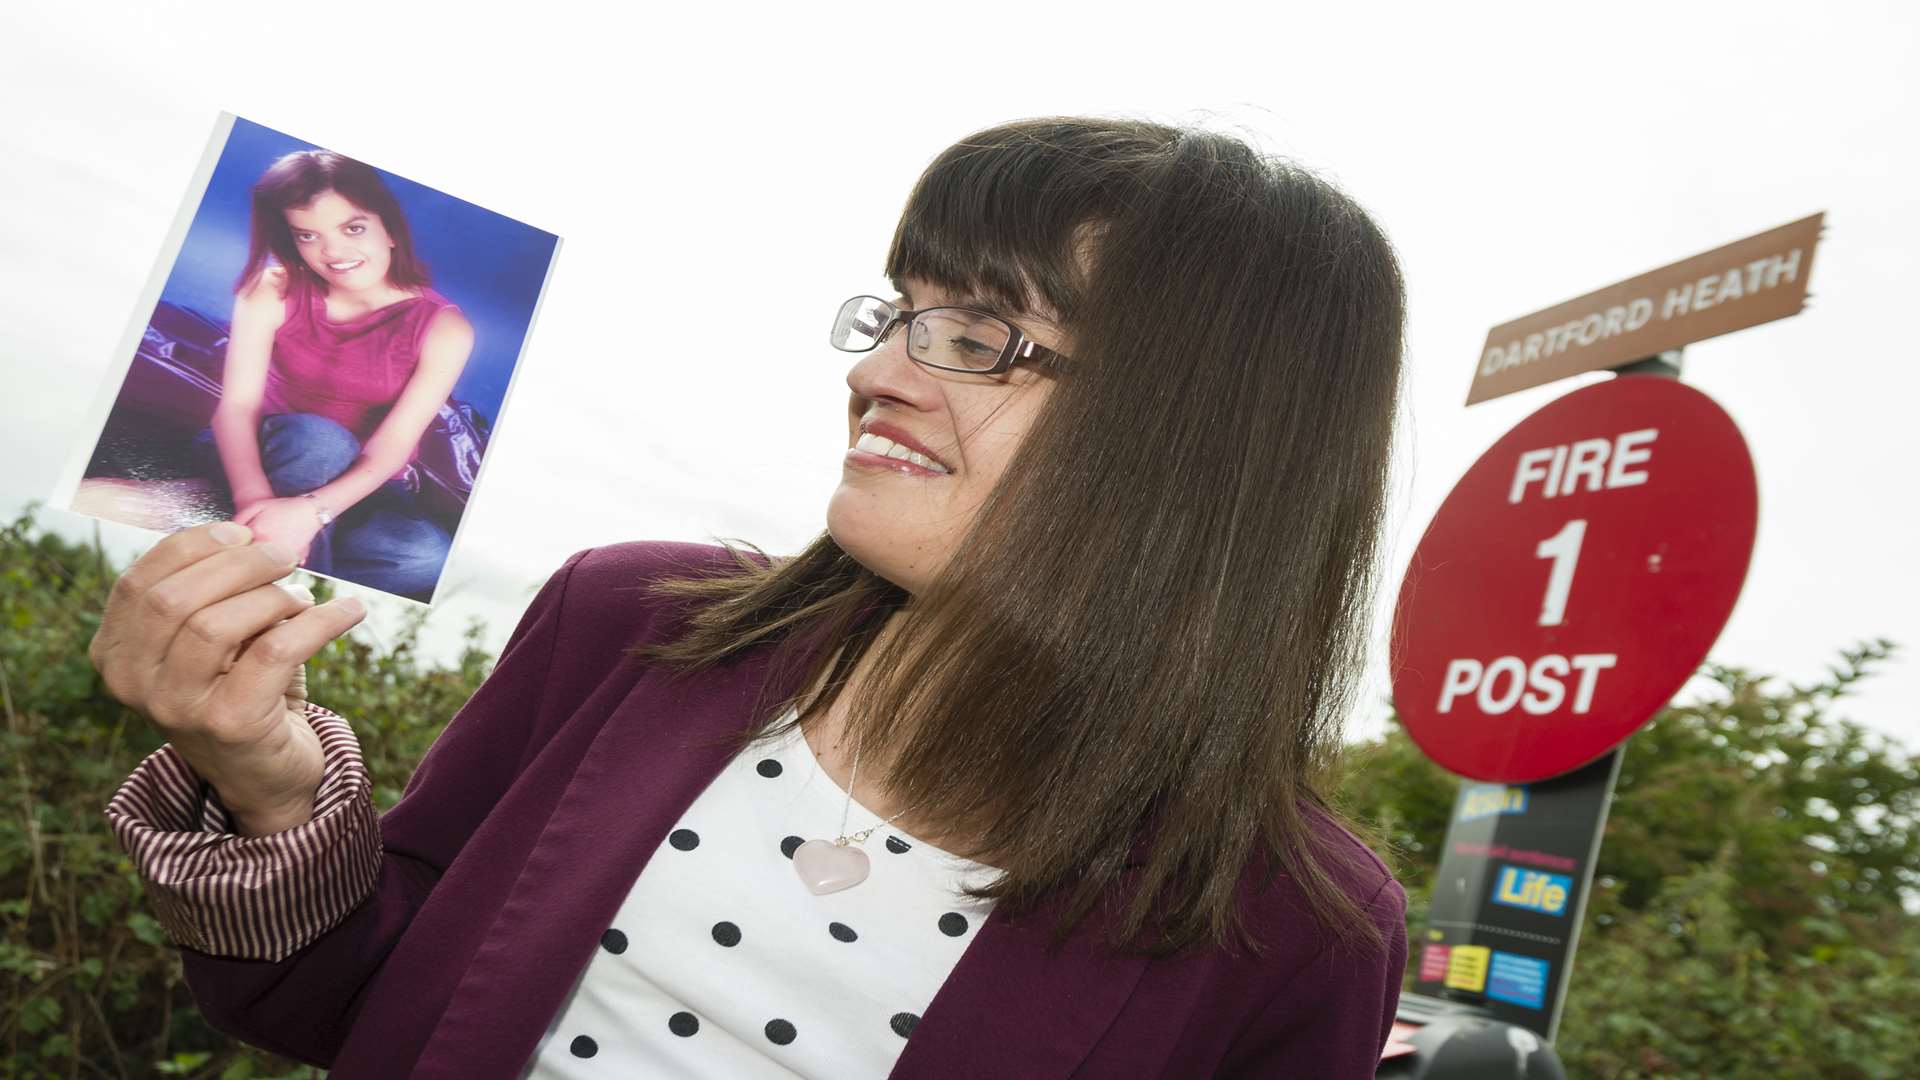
1159	620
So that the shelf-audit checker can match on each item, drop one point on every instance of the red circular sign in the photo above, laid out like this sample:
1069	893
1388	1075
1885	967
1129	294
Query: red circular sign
1573	580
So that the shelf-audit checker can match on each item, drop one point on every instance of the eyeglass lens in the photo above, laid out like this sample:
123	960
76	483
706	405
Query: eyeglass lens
946	337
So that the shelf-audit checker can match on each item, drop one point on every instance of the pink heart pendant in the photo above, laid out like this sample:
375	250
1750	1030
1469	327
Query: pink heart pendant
828	867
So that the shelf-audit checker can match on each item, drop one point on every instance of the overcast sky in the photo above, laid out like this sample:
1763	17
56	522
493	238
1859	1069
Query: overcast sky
736	159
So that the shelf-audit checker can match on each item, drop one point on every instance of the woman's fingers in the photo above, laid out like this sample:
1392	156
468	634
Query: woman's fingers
211	640
166	608
152	598
249	695
172	553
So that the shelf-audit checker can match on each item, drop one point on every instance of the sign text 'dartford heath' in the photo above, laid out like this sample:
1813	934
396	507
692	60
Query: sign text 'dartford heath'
1743	284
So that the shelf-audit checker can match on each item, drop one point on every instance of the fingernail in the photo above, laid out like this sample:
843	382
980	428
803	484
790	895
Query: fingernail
230	533
278	552
299	591
351	605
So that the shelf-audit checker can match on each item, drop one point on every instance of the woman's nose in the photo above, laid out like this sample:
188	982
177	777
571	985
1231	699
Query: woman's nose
887	372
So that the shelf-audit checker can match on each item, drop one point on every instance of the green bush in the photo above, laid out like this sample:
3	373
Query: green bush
88	982
1747	917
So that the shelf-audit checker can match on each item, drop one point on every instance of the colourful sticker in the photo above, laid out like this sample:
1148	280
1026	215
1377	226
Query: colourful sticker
1482	800
1433	963
1467	967
1521	980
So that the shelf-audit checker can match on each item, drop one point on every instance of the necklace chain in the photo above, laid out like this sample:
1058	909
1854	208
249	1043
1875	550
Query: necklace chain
860	837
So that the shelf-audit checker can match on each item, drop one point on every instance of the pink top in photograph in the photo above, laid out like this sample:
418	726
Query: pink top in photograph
349	371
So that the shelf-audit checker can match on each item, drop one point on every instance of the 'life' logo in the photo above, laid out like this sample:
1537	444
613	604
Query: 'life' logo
1535	890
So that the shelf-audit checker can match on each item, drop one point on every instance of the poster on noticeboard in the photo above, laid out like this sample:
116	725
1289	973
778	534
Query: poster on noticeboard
323	352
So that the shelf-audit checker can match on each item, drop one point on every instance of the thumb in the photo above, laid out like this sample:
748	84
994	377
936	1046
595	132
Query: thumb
296	693
297	689
271	671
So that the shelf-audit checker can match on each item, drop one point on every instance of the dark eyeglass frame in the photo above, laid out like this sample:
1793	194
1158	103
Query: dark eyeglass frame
1018	347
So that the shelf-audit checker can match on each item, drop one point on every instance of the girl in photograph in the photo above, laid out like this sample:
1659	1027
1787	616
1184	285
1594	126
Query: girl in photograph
1026	766
340	355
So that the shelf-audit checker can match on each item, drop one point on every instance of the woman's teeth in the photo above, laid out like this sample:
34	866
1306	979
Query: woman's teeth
341	268
885	447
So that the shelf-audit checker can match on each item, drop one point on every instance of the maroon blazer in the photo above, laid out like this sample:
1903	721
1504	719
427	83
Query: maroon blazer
440	939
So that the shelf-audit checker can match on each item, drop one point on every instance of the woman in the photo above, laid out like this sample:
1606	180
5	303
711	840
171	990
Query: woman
1077	641
340	355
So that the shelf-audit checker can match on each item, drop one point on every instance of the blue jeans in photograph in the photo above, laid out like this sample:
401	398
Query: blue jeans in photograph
385	541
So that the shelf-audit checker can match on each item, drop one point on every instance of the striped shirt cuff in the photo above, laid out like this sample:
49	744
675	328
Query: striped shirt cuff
250	897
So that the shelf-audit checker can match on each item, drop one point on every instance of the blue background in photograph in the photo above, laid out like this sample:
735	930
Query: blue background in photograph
490	265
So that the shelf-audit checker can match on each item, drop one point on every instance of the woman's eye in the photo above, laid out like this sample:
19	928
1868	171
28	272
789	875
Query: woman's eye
356	230
978	348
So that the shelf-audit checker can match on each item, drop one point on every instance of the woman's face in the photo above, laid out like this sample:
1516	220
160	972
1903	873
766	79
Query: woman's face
347	246
896	517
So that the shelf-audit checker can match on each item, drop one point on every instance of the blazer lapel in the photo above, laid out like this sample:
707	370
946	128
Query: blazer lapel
645	767
1013	1008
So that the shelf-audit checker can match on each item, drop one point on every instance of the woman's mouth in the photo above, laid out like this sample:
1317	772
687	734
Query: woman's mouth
878	452
346	267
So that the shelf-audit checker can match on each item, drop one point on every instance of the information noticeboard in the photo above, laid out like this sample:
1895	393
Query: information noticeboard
1511	891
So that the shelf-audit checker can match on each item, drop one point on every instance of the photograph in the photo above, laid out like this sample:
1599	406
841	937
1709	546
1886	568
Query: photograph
326	362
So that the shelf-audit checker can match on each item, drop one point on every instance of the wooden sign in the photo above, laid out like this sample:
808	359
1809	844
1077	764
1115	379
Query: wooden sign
1745	283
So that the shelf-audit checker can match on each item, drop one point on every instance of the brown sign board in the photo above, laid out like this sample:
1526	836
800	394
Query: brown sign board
1745	283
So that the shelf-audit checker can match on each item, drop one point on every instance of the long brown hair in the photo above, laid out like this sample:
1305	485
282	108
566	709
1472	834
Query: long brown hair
1159	617
296	179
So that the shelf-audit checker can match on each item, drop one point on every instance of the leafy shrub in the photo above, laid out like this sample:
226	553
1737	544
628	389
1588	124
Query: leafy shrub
1749	910
88	981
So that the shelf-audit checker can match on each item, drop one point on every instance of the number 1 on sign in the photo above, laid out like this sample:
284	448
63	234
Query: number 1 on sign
1563	548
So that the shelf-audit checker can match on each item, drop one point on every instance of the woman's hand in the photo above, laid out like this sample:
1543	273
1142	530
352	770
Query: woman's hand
199	640
291	521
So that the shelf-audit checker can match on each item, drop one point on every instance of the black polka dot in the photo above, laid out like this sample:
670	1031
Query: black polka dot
902	1023
898	846
842	932
683	1024
768	768
684	839
953	924
583	1046
779	1031
614	942
726	934
789	845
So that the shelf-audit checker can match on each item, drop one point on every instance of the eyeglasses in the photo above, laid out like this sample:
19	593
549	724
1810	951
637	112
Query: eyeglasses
948	338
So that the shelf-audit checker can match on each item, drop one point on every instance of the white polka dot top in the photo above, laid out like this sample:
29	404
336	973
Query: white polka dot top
721	962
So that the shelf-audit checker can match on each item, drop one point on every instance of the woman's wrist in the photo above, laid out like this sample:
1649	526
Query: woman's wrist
345	491
321	508
266	823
